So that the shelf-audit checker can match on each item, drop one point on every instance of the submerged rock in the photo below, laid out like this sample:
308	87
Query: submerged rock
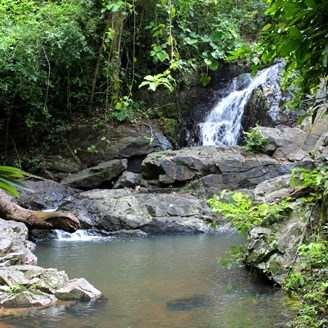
190	303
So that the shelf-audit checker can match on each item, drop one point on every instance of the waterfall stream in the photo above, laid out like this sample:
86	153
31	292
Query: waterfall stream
223	124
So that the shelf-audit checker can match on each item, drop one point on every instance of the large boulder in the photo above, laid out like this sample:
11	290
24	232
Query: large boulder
96	176
89	144
232	166
286	144
94	144
273	250
114	210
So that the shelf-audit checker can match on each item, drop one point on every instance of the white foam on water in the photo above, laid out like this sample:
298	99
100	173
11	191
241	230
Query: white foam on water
79	235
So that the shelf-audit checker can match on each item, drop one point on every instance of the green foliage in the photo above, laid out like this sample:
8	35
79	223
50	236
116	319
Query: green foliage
239	209
298	32
255	142
310	282
316	180
39	44
10	179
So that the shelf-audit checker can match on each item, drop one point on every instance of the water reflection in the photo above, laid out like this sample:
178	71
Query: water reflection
162	282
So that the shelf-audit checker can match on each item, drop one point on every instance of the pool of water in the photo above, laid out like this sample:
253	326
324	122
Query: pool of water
159	282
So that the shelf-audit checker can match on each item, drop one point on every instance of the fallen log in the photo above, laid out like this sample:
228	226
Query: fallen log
67	221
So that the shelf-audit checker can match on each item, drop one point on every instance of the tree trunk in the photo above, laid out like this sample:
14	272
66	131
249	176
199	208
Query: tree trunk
38	219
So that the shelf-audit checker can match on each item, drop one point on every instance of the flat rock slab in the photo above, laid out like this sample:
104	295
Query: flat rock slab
237	168
119	209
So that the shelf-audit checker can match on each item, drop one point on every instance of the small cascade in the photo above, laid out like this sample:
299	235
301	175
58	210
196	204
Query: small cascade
223	124
79	235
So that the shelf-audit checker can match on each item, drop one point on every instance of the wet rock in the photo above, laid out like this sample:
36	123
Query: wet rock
94	177
78	289
237	168
128	180
114	210
126	233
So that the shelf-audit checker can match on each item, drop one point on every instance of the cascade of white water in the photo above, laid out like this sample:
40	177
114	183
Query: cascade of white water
223	124
79	235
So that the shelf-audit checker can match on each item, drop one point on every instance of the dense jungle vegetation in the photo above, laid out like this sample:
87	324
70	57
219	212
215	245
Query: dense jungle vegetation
62	61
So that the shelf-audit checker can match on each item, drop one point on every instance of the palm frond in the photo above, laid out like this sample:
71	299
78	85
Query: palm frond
11	179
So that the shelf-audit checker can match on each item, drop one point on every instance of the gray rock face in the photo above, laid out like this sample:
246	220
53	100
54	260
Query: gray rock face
14	246
23	284
273	251
286	143
236	168
94	177
273	190
119	209
128	180
123	141
41	195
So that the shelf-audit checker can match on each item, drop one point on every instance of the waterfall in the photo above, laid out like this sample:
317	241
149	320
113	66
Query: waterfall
223	124
79	235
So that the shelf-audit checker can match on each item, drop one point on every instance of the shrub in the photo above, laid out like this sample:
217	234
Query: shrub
255	141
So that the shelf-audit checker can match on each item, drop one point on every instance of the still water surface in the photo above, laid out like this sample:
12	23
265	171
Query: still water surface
159	282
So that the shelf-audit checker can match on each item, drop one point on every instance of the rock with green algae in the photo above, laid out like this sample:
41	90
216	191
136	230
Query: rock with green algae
273	250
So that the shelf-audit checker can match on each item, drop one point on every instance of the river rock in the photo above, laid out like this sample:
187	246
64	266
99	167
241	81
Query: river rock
236	168
120	209
14	246
27	285
78	289
96	176
23	284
